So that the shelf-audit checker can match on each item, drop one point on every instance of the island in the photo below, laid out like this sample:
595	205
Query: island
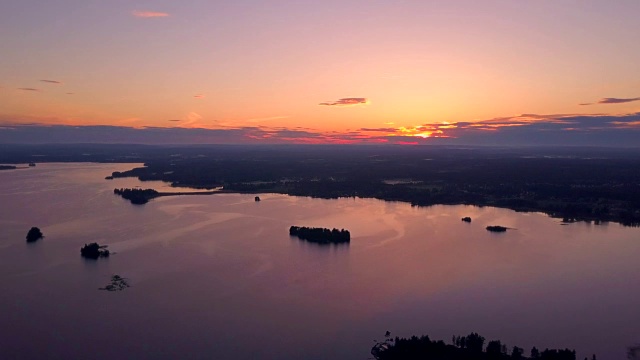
32	164
257	198
118	283
137	196
496	228
7	167
321	235
466	219
94	251
34	234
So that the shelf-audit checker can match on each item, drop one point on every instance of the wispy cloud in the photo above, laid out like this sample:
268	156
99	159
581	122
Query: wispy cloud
199	96
28	89
346	102
52	82
149	14
527	129
613	101
617	100
175	120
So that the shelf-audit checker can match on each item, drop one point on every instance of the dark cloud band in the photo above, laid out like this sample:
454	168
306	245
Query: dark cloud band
345	102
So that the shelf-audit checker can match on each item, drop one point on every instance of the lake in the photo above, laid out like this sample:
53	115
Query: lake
218	277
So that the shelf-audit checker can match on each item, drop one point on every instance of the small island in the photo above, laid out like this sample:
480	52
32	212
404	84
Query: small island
137	196
7	167
257	198
34	234
32	164
466	219
118	283
496	228
321	235
94	251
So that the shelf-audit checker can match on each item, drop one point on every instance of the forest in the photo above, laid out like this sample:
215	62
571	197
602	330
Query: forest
570	183
470	347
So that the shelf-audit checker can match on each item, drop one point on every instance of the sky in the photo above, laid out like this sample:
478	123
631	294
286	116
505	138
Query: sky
487	72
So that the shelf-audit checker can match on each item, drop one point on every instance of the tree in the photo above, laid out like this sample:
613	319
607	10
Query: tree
34	234
535	353
517	353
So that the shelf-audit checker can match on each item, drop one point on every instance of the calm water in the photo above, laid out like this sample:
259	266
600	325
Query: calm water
218	277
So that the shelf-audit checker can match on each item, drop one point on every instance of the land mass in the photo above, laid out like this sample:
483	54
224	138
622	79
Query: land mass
470	347
142	196
573	184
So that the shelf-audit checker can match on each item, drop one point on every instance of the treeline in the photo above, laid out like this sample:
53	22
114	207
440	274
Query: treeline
470	347
137	196
321	235
591	185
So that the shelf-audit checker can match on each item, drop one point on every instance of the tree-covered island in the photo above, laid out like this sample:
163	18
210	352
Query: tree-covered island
94	251
321	235
496	228
137	196
34	234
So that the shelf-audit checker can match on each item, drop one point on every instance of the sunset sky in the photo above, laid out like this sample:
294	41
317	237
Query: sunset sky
331	71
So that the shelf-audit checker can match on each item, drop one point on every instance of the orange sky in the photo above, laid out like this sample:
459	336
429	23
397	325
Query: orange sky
338	66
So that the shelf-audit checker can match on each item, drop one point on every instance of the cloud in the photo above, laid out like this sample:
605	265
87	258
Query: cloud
52	82
28	89
520	130
70	93
346	102
614	101
199	96
149	14
175	120
617	100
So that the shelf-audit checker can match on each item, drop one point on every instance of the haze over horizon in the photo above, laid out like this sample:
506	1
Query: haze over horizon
495	72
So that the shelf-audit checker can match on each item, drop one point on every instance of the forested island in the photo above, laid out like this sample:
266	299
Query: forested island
496	228
470	347
570	183
8	167
321	235
137	196
94	251
34	234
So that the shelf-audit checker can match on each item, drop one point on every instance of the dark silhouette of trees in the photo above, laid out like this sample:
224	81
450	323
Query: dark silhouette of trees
321	235
137	196
94	251
535	353
34	234
470	347
517	353
466	219
496	228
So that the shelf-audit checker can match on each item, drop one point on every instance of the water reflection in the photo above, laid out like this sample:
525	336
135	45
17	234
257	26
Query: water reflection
219	275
